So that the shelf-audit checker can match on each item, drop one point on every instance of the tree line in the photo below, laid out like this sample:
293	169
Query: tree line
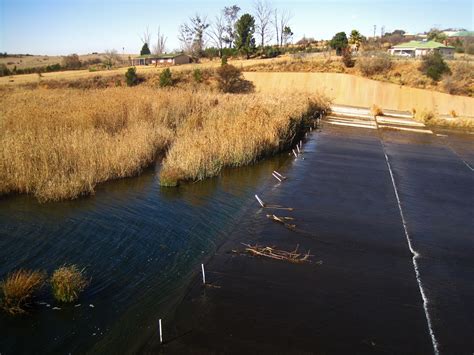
231	31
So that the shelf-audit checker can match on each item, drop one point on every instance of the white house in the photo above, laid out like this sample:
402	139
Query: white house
164	59
421	48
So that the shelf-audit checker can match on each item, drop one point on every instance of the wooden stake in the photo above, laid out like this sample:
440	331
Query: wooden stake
276	177
281	176
203	274
298	149
294	153
161	332
260	201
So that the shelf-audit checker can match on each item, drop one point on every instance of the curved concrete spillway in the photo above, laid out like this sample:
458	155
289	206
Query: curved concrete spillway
353	90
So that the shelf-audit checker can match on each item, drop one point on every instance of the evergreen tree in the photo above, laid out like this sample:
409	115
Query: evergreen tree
244	39
339	42
145	50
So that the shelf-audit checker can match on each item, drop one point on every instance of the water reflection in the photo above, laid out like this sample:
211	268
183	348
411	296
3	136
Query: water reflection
140	244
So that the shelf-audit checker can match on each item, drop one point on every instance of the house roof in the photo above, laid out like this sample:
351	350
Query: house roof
421	45
463	34
161	56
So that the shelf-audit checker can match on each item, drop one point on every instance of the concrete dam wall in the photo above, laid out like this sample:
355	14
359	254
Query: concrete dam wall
345	89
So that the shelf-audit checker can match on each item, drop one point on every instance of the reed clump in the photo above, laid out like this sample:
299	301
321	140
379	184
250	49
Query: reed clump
238	131
453	121
59	144
376	110
19	288
67	282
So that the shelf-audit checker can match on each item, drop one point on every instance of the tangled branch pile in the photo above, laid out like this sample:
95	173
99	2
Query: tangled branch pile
282	255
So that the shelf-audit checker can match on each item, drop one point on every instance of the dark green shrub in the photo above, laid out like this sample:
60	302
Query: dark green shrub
197	75
433	66
230	80
224	60
166	78
339	42
131	76
271	52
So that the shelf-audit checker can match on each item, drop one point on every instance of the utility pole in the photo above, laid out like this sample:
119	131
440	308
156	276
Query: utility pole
375	29
382	31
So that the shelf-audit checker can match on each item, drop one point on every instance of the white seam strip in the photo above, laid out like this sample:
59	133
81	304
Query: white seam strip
415	256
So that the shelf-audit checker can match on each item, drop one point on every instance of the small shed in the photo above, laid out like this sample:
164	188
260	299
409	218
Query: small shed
163	59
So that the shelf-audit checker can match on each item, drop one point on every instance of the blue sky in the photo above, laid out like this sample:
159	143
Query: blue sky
82	26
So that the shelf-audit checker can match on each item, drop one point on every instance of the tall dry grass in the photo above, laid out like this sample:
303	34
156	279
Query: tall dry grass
432	119
237	131
59	144
19	289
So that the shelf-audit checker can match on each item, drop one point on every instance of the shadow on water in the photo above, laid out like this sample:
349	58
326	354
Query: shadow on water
140	244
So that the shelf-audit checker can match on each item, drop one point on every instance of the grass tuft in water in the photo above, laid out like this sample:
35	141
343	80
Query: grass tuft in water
19	288
67	283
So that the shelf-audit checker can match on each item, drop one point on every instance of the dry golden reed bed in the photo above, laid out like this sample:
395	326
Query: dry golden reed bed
59	144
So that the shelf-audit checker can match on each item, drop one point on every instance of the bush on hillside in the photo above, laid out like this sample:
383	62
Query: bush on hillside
131	76
347	58
230	80
433	66
461	81
197	75
4	71
166	79
374	63
72	61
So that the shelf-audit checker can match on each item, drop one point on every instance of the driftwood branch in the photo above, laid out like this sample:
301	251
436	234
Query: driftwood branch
282	255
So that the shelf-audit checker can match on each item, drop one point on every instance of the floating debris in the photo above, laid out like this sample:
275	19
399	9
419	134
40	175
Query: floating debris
282	255
77	305
91	305
278	207
282	220
56	309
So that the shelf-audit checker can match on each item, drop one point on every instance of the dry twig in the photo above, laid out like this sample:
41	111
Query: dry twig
272	253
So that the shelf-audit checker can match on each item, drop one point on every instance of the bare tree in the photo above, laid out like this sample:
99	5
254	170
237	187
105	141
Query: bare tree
217	33
280	22
231	14
160	46
146	36
263	15
192	34
111	57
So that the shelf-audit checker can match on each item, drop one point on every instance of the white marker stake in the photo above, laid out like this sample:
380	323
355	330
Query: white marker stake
260	201
203	274
294	153
281	176
161	332
298	149
276	177
301	144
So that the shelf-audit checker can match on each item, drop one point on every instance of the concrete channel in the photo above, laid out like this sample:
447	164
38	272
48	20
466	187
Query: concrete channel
386	208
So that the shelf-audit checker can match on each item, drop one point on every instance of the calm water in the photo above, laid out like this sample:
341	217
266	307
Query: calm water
140	245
